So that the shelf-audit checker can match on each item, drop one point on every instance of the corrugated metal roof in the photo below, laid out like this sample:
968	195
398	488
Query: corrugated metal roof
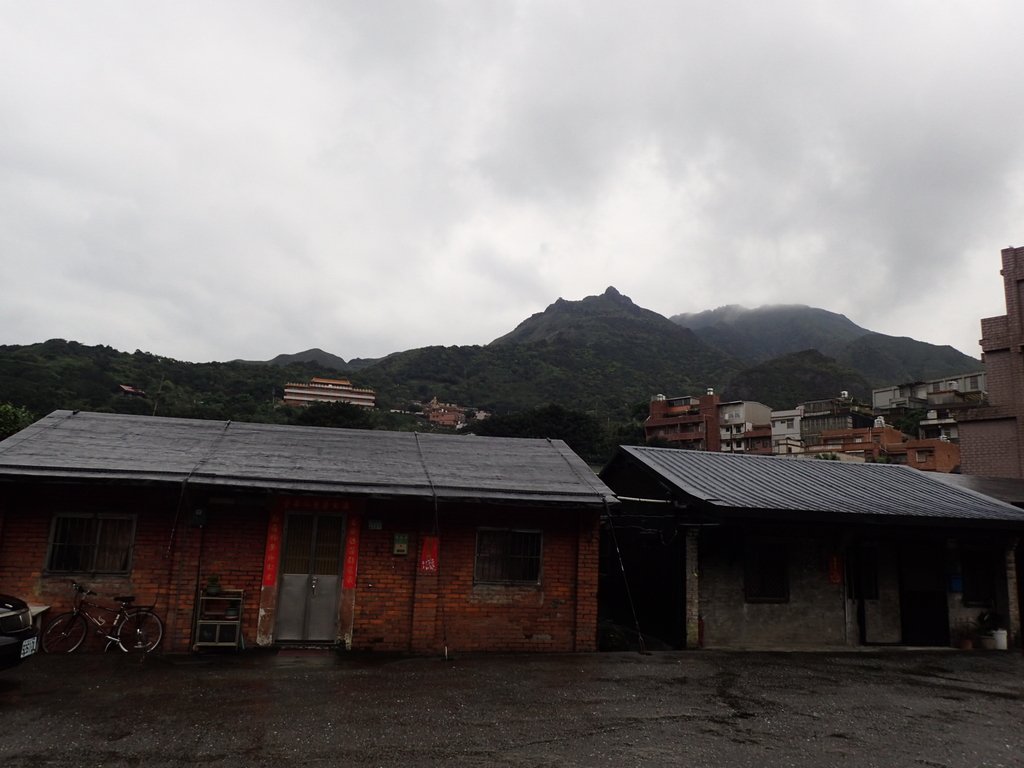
739	482
80	445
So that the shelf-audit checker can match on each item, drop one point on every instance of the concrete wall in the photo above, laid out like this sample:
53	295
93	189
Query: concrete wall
814	616
819	612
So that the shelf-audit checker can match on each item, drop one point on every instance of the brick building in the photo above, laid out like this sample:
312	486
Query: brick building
761	552
448	415
706	423
886	444
992	437
365	540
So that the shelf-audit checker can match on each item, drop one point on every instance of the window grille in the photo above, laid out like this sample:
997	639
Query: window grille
507	556
91	544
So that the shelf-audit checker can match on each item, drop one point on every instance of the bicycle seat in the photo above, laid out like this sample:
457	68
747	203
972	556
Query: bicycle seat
125	599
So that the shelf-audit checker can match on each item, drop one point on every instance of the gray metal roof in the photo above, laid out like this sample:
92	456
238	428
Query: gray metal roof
1008	489
739	482
94	446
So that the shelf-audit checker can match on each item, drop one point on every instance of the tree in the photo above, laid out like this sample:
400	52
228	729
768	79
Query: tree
581	431
13	418
335	415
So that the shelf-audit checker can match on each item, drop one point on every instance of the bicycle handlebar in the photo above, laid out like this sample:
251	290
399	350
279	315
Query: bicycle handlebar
83	590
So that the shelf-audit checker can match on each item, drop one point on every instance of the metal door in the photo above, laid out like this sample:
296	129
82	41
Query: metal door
874	587
307	602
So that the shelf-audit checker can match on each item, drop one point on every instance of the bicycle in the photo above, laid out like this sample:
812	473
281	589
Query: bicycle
133	629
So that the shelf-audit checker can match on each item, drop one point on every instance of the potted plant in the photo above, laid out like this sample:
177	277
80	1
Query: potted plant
991	632
213	585
963	634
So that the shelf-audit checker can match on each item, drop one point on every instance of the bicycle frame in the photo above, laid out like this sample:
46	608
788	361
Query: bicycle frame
100	626
134	629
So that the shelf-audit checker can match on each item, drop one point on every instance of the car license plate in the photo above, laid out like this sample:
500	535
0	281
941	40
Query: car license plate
28	647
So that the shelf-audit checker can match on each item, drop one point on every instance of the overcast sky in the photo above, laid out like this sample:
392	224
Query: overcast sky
210	181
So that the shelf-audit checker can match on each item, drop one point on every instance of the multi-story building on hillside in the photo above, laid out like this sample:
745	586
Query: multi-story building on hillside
446	415
322	390
992	436
786	432
685	422
841	412
941	400
883	443
705	423
745	426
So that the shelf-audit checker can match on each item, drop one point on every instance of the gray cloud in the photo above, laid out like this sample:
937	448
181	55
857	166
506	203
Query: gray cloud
244	179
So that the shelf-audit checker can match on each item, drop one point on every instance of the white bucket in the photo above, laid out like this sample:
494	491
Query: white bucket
999	636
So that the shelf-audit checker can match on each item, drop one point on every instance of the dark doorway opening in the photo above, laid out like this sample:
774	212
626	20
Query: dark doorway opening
923	595
652	572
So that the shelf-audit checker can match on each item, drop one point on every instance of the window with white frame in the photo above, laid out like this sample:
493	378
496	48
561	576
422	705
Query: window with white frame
91	543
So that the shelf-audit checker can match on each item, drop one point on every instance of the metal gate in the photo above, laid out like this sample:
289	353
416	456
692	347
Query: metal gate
308	597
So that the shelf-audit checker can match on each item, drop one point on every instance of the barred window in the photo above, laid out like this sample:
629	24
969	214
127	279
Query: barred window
766	572
91	543
507	556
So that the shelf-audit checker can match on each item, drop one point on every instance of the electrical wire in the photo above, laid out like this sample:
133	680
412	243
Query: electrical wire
625	580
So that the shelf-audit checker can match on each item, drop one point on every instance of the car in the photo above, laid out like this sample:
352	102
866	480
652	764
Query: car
18	636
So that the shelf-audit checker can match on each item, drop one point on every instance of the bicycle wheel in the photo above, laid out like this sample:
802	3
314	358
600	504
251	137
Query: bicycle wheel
65	633
140	632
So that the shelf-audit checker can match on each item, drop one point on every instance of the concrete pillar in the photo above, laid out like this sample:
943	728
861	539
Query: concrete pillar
692	577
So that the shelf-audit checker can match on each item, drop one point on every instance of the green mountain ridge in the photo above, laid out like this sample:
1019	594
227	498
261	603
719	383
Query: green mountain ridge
603	355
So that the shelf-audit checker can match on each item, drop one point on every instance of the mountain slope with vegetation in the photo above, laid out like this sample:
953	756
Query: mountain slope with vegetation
760	334
770	332
786	381
603	356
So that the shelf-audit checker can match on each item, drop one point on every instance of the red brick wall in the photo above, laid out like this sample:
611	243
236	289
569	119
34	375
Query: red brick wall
449	609
396	606
989	448
233	543
991	437
28	513
165	562
384	586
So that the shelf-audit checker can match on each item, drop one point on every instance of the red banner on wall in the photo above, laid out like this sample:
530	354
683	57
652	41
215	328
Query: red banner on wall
835	569
272	553
351	568
430	555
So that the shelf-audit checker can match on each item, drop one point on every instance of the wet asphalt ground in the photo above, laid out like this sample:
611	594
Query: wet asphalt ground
701	708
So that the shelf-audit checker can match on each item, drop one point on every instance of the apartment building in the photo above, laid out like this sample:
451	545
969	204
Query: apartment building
943	401
786	432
